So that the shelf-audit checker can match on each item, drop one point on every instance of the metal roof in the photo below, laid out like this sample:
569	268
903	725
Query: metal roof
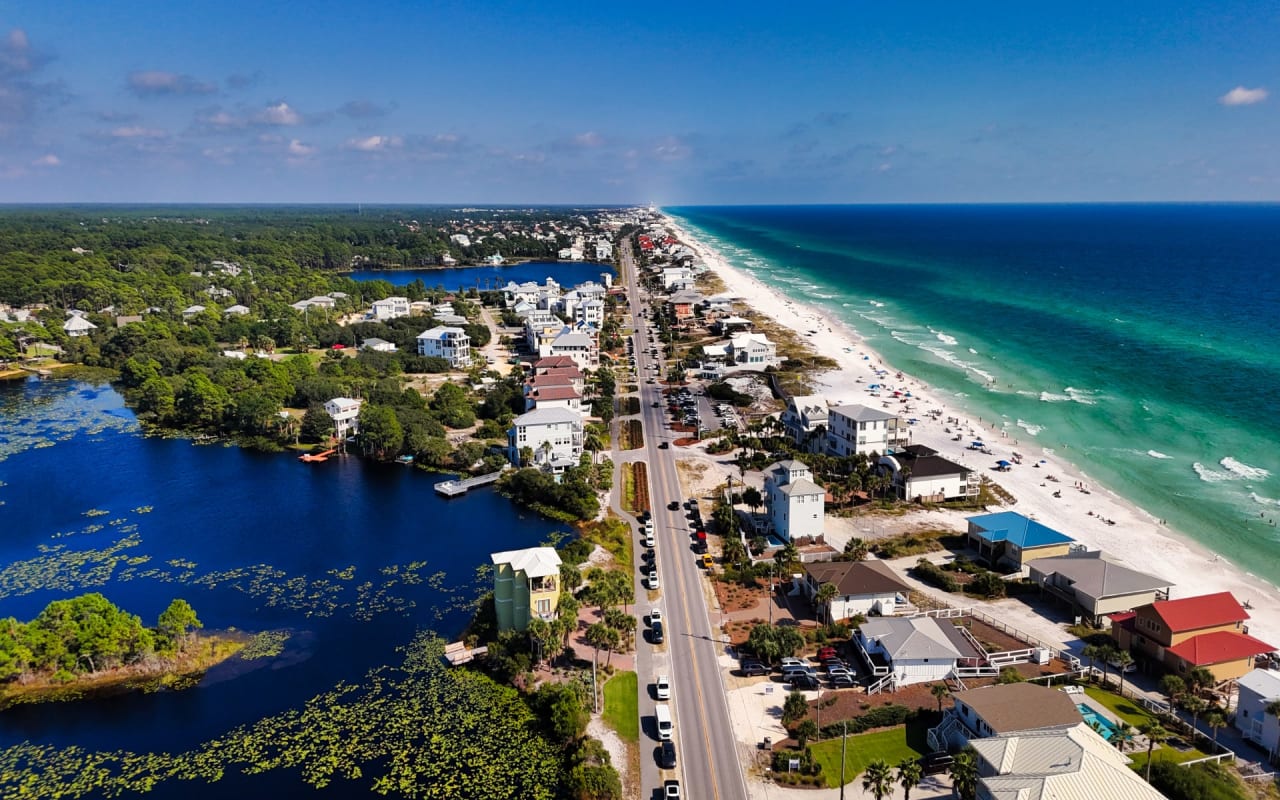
1094	575
1012	527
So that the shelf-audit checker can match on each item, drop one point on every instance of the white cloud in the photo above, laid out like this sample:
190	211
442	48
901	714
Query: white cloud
588	139
137	132
374	144
300	150
153	83
1241	96
279	114
47	160
15	53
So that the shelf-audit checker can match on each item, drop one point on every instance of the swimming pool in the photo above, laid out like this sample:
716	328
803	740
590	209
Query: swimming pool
776	541
1104	726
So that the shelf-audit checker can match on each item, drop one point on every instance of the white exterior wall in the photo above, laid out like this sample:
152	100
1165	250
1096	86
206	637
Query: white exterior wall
391	308
948	485
1254	722
921	670
846	437
452	345
852	605
573	404
565	439
798	515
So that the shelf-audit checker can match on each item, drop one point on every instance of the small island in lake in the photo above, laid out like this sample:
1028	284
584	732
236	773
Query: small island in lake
87	645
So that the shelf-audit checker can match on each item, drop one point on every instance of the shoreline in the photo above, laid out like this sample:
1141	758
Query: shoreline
1136	538
442	267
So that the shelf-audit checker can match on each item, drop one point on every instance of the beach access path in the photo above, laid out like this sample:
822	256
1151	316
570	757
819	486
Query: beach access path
1136	538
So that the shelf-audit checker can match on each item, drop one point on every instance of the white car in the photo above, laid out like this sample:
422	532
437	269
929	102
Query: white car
649	541
662	688
655	615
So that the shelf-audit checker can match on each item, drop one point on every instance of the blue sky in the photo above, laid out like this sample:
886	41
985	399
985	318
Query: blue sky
708	102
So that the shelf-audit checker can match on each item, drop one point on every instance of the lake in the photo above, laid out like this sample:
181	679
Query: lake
350	556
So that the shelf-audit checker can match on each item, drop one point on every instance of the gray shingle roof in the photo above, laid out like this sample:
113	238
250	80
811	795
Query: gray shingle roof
1093	575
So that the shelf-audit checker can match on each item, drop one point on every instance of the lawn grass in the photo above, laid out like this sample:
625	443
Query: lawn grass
1122	707
890	746
621	706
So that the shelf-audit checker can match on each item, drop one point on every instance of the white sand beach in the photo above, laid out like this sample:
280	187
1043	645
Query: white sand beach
1135	538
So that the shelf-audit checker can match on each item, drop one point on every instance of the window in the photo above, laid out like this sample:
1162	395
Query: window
544	606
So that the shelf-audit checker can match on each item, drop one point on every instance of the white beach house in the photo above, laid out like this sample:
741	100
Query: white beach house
911	649
78	326
858	429
451	344
345	412
796	505
753	350
390	308
805	421
553	438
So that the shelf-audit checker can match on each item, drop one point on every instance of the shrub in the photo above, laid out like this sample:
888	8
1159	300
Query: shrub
933	575
1196	782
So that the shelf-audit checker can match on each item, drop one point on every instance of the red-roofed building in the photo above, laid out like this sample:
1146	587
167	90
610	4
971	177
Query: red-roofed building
1183	633
554	397
553	362
1226	654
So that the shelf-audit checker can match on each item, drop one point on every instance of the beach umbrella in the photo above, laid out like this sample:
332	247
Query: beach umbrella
1002	463
977	444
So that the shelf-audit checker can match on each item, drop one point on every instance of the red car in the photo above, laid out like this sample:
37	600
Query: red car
827	652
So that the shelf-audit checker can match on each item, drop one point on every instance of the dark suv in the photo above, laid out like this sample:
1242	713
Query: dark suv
750	668
668	756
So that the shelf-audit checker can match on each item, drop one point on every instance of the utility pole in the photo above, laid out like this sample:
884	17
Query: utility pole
844	739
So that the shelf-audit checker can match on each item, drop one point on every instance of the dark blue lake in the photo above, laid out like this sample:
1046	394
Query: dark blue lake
345	554
566	273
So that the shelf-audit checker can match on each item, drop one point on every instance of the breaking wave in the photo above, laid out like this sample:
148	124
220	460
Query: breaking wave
1031	428
1243	470
1211	475
1157	454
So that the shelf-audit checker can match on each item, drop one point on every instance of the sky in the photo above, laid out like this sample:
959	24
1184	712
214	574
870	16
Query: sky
672	103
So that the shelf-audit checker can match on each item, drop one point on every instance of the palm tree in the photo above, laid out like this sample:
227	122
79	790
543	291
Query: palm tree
1200	679
1156	734
1122	735
826	593
1215	720
856	549
1091	652
964	775
1194	706
1173	687
878	779
939	692
909	776
1123	660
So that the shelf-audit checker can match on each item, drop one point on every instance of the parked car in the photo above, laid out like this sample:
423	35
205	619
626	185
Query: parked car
671	790
936	762
662	687
648	541
674	505
655	630
793	662
653	581
825	652
843	681
655	615
752	668
804	680
667	757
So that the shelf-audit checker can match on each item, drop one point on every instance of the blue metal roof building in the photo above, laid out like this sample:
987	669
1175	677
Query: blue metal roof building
1005	537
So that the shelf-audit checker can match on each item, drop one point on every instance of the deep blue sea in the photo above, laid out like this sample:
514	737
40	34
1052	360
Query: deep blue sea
348	556
1140	342
566	273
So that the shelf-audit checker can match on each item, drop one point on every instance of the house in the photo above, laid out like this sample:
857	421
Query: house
322	301
460	239
727	325
1009	539
1202	631
855	429
754	350
1258	690
495	260
1095	586
378	345
549	438
921	475
1010	708
682	304
77	326
345	412
554	397
805	421
590	312
604	251
673	275
910	649
390	308
526	584
451	344
862	588
236	310
191	311
548	363
581	347
1057	764
795	504
560	377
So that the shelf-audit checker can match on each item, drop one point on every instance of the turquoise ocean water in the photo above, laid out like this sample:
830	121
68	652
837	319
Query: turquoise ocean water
1138	342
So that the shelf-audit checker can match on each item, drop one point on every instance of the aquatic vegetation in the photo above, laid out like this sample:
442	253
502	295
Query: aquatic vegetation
60	569
142	510
418	730
267	644
45	414
96	512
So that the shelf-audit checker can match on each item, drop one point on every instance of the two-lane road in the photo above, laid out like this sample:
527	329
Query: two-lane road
708	755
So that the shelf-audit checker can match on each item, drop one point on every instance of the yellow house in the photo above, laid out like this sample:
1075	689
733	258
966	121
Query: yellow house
526	584
1008	539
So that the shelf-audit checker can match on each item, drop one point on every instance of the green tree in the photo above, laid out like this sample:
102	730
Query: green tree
1122	735
878	779
1122	660
794	709
380	433
751	496
201	403
910	774
826	593
317	425
1173	688
964	775
856	549
177	622
1156	734
560	705
1215	720
939	692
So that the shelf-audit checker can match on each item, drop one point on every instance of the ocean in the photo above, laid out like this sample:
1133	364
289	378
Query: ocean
1139	342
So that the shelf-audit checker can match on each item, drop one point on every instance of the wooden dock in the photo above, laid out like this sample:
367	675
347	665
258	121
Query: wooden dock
453	488
457	653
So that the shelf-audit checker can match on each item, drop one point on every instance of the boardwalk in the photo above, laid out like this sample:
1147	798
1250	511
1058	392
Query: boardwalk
453	488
